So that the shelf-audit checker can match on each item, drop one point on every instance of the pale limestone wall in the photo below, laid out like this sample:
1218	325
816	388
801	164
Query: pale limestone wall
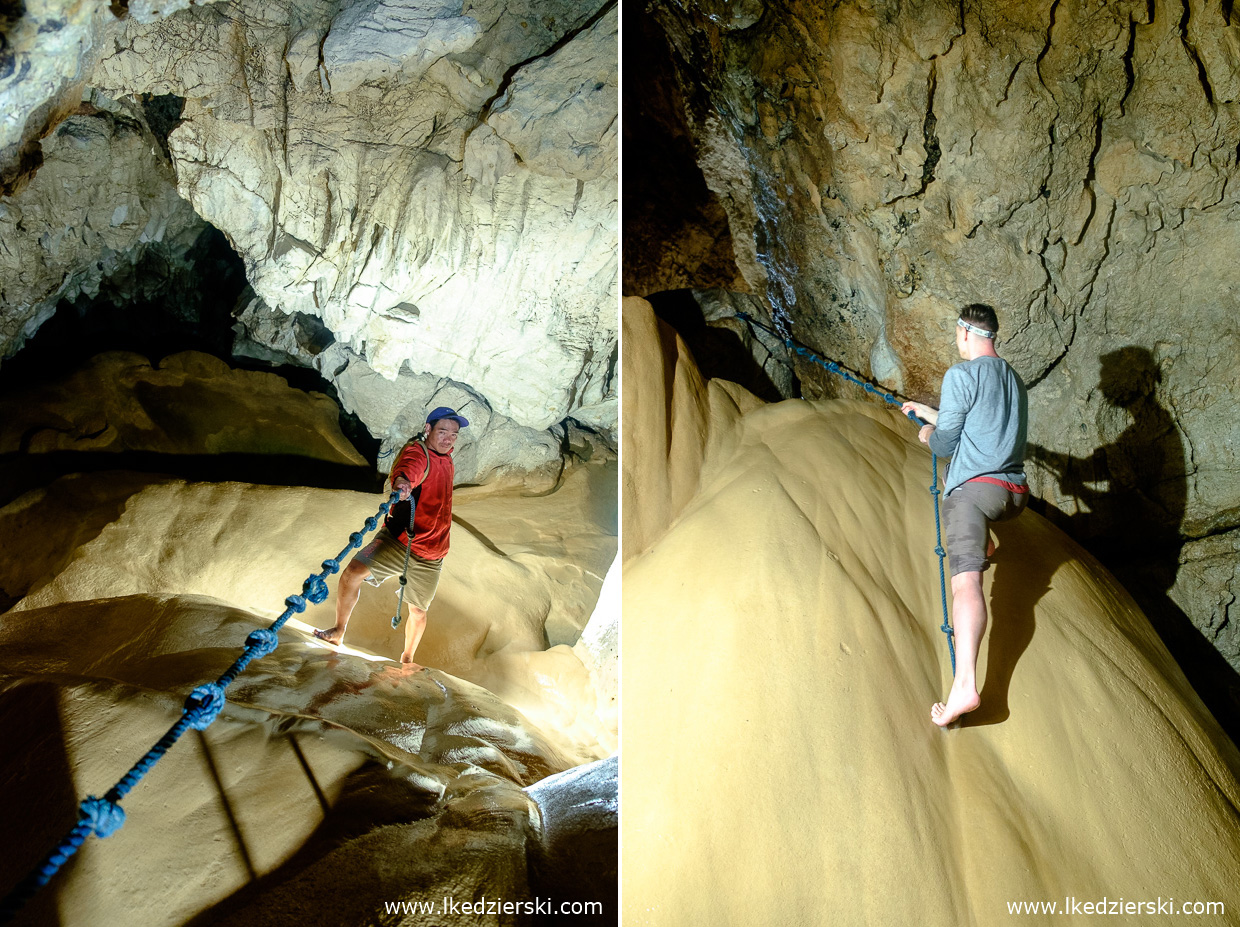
437	186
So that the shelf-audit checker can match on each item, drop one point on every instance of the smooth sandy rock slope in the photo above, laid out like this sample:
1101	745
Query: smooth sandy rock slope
782	650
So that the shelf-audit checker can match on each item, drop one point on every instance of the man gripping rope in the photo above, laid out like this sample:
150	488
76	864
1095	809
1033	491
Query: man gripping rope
981	426
423	464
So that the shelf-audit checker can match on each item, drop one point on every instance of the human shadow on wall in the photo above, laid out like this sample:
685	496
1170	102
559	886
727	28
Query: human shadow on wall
1130	499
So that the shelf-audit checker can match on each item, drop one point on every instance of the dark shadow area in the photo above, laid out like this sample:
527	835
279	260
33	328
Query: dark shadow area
576	857
20	473
675	232
209	760
719	352
371	798
311	778
1130	498
348	868
163	305
40	802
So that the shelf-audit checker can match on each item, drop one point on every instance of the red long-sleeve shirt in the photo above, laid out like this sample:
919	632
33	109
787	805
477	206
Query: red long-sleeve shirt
432	518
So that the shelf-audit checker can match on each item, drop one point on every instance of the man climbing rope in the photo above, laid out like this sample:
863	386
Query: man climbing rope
981	426
425	462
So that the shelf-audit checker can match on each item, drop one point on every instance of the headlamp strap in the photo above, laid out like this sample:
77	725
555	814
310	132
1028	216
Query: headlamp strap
973	328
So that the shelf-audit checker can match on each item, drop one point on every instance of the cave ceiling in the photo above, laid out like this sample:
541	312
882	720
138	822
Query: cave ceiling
421	198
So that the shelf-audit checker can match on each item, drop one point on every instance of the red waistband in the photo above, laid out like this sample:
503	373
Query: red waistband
1010	487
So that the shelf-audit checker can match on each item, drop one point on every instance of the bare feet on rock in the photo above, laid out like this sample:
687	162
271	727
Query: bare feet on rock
407	660
328	635
960	701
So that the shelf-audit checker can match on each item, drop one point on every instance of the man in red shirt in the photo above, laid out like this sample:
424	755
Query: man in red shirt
424	464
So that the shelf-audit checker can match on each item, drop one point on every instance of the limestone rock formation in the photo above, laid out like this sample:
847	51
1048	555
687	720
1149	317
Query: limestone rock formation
431	189
134	586
492	446
101	201
323	771
782	619
1072	163
344	183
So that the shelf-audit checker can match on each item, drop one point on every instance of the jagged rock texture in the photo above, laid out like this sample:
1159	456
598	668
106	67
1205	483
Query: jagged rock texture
340	167
101	201
437	185
1072	163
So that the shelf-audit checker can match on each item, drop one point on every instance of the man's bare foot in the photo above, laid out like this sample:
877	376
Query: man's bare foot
328	635
959	702
407	659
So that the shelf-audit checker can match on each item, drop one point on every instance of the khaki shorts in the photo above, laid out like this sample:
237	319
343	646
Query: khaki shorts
968	510
386	558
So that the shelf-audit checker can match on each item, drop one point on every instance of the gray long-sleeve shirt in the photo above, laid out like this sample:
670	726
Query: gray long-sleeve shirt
983	417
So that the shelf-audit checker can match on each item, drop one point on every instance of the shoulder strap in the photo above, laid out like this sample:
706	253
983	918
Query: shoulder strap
417	439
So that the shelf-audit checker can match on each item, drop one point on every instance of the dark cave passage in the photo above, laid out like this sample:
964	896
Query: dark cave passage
164	304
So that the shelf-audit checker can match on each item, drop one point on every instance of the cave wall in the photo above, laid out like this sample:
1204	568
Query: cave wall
102	203
435	184
1072	163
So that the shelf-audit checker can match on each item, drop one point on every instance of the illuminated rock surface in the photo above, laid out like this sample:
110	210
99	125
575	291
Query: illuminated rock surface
782	650
334	781
435	186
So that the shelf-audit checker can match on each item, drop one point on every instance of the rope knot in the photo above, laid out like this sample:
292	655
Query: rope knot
104	817
371	523
356	539
262	641
940	551
331	565
384	507
296	603
315	588
204	705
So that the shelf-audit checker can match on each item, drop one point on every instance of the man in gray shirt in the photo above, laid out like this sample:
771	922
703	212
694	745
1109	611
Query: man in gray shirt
981	426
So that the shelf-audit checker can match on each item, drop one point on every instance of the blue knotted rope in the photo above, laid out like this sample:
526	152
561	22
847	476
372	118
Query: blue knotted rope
404	574
104	816
835	368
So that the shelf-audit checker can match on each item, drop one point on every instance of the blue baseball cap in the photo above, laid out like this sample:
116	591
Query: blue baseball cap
444	412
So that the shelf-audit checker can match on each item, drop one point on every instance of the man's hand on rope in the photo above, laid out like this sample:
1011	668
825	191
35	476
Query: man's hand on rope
922	411
402	486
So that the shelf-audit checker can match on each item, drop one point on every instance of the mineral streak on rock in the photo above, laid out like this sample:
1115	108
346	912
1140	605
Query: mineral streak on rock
1072	163
782	616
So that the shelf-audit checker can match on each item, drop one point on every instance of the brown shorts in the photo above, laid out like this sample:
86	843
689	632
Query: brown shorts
968	510
386	558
